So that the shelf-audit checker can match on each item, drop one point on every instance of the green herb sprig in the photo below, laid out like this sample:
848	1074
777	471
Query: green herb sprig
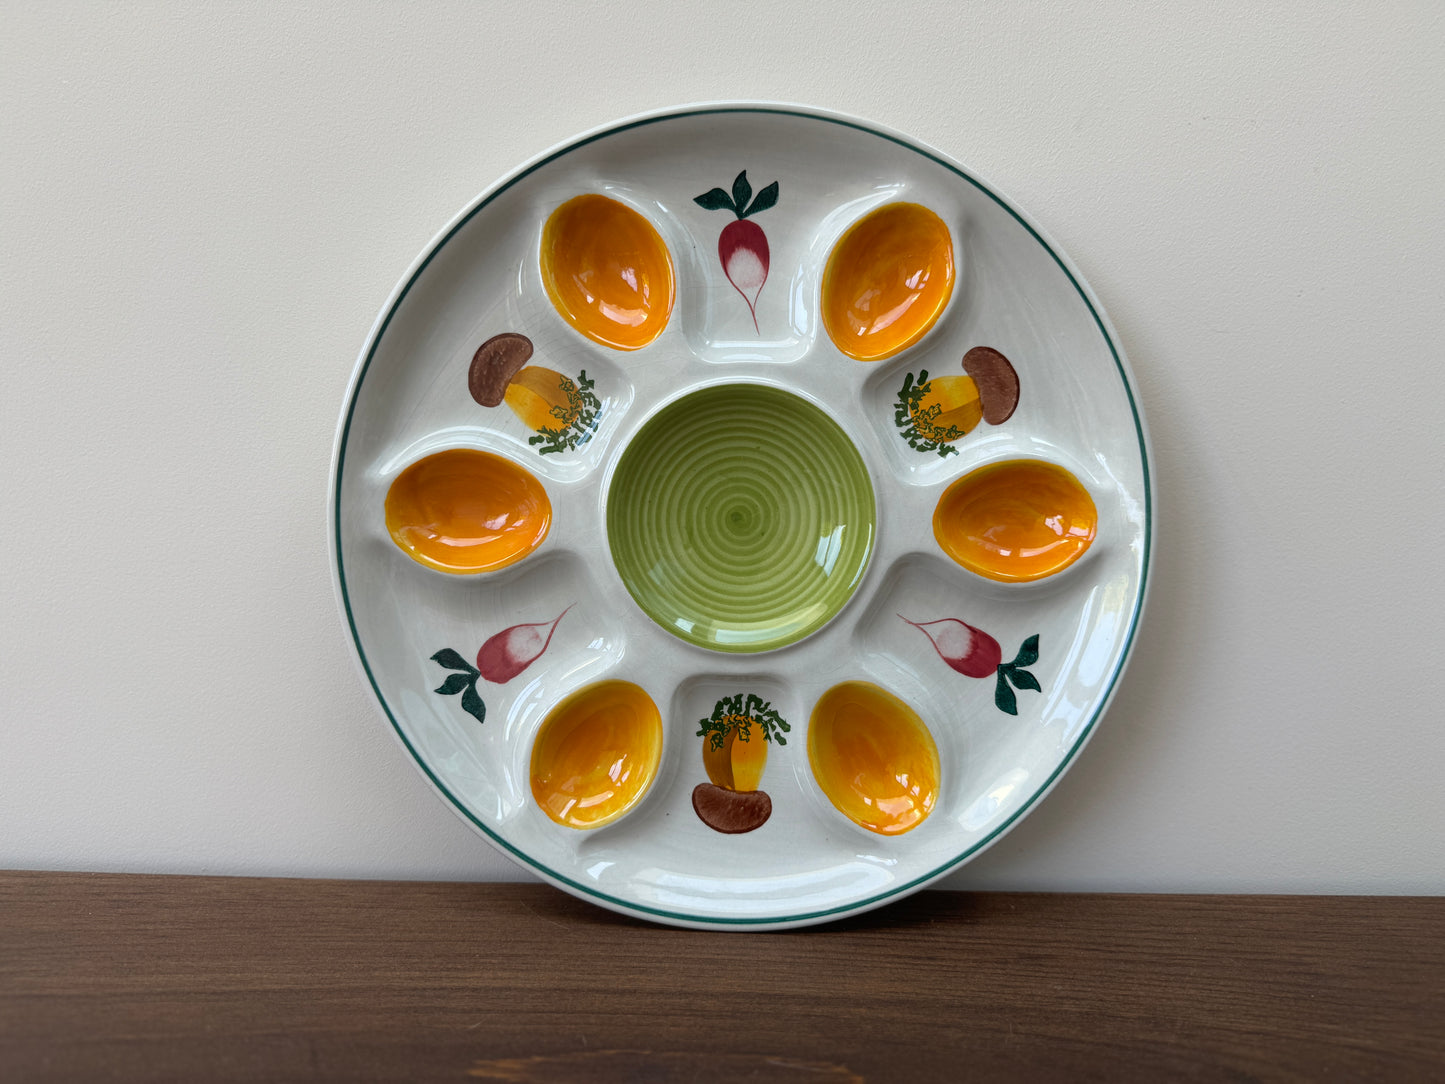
740	713
578	418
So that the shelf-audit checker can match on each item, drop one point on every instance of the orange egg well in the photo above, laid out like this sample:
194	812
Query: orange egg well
607	271
463	511
1016	521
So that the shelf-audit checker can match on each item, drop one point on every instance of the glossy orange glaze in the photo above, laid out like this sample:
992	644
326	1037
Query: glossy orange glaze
1015	521
596	754
873	757
463	511
887	282
739	764
607	271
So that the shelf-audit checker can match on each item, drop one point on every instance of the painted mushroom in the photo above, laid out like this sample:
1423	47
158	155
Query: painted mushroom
561	411
734	752
933	413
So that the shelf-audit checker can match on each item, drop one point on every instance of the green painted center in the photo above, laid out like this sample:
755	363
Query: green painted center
740	518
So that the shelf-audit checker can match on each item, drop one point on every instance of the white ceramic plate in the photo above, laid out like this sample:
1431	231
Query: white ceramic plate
1014	292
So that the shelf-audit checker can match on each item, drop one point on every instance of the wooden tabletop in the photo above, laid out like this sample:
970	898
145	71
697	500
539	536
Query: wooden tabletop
117	977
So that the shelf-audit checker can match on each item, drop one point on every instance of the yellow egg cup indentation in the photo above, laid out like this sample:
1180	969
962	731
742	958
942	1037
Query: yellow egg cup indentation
465	511
887	281
596	754
873	757
607	271
1016	521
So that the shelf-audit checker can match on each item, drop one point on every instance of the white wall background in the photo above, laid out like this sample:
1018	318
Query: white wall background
202	208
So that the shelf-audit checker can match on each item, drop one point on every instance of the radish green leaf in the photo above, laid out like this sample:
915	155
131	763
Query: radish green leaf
714	200
455	684
766	198
452	661
472	703
1004	697
1023	679
1029	652
742	192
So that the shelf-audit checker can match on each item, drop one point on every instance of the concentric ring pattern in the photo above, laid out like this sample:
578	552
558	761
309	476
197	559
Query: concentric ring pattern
741	518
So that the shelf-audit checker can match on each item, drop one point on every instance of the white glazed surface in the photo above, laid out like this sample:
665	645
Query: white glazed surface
1015	292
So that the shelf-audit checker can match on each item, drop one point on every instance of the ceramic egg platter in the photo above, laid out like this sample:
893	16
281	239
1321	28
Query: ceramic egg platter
833	737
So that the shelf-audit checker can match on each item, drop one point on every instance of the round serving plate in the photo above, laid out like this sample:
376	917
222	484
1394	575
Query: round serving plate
741	514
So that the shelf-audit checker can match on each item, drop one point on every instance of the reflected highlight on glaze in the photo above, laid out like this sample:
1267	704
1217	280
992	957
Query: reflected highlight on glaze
607	271
873	757
1016	521
888	280
596	754
463	511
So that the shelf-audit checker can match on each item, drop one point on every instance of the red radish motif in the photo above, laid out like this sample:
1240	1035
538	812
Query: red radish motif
512	650
742	247
970	651
976	654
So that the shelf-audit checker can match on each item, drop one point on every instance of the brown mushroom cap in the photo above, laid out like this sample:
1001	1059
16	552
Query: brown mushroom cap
494	364
998	384
730	811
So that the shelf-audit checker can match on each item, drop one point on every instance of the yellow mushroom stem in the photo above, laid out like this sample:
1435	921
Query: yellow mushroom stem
543	398
739	763
950	408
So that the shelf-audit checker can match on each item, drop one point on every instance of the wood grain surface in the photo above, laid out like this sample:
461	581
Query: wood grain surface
119	977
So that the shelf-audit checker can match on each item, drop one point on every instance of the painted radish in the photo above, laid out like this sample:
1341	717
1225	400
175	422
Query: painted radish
976	654
512	650
742	246
970	651
501	659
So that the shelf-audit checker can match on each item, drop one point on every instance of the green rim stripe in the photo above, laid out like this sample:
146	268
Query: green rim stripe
897	890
